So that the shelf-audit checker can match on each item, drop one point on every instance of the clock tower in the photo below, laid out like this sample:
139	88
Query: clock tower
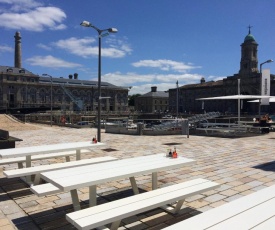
249	56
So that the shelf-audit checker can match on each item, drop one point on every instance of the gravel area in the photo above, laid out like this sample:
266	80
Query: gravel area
10	124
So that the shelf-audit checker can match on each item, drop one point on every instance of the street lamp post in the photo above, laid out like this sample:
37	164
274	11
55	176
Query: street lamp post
100	35
44	74
268	61
177	112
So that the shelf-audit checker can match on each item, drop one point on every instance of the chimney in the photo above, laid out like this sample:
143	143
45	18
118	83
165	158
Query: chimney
75	75
202	80
153	89
70	76
17	51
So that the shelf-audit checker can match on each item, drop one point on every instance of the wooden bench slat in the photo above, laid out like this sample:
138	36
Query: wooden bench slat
44	168
40	157
120	209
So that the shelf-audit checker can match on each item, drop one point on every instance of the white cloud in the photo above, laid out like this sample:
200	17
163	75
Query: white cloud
84	47
119	44
5	48
79	47
50	61
21	5
215	78
142	83
42	46
59	27
37	19
145	88
166	65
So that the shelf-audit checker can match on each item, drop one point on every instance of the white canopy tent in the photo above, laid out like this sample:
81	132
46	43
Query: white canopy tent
271	99
232	97
236	97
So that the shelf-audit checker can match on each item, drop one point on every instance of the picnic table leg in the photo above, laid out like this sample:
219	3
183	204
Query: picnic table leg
115	225
67	158
28	164
154	180
78	154
75	200
134	185
173	209
92	195
178	206
37	179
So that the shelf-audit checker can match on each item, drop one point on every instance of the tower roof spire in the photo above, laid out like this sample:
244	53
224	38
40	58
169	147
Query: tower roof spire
249	27
249	37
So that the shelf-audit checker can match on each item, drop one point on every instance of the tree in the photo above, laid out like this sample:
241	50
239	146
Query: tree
131	99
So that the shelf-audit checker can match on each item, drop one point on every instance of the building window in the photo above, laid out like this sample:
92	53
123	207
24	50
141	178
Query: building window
43	99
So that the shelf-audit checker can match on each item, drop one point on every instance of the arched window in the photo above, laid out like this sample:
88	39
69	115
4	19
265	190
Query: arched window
42	95
33	95
254	52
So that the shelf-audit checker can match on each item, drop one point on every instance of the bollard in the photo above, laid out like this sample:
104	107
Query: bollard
140	127
185	128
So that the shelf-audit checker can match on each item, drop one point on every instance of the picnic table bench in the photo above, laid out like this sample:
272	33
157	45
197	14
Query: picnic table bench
21	160
91	176
45	168
44	150
254	211
113	212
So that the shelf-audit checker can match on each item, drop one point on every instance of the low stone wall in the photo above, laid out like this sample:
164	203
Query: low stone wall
161	132
149	132
120	130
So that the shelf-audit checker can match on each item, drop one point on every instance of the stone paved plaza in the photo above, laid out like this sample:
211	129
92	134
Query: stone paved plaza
241	165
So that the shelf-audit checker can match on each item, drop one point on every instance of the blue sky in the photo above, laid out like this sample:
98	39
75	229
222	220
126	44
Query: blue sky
159	42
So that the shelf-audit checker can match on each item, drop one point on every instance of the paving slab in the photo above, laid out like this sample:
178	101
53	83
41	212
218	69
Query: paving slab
241	165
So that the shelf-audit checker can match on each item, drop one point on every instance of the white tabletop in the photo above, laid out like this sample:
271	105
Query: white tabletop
254	211
35	150
84	176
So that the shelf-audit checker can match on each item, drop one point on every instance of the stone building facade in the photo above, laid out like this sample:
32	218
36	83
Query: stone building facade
21	89
152	102
250	79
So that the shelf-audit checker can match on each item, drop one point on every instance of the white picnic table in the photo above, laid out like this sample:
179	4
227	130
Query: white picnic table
43	149
28	152
93	175
254	211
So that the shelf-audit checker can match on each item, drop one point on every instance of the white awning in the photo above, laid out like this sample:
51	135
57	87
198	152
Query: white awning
272	99
232	97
